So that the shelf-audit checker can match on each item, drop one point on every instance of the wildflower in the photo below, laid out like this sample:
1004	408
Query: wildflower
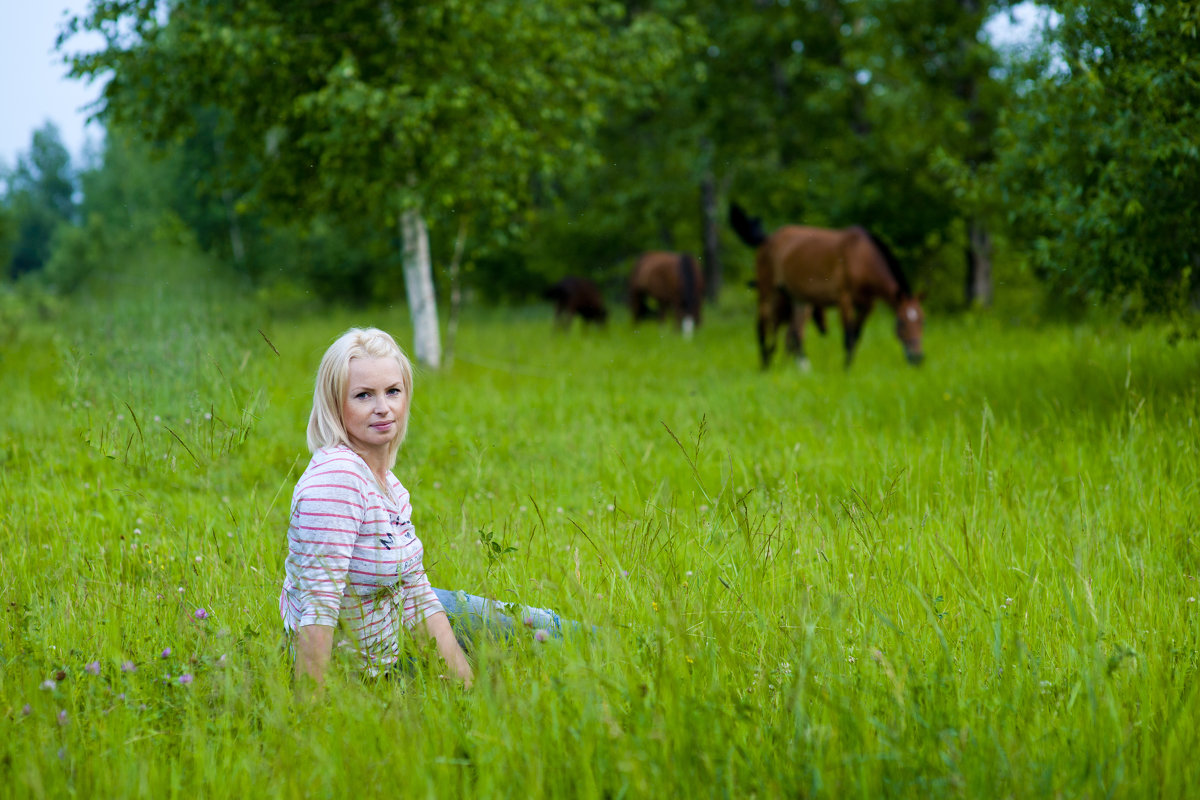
185	678
49	685
654	605
1008	601
93	667
166	653
62	717
541	634
207	415
121	696
137	531
850	659
688	659
27	710
529	622
199	559
1191	599
201	613
611	507
221	660
624	573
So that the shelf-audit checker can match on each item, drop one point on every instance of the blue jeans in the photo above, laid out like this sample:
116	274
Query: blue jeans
471	615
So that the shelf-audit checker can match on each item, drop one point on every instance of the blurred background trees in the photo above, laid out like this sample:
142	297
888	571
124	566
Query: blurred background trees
548	138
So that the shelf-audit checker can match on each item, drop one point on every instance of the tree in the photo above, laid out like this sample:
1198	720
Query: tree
395	112
1101	164
41	198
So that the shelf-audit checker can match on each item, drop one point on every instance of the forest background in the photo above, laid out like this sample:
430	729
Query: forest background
314	149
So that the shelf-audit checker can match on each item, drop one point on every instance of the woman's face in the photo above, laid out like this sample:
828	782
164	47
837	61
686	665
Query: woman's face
375	404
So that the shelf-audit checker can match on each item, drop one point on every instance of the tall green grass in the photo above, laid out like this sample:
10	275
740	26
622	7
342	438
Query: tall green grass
977	578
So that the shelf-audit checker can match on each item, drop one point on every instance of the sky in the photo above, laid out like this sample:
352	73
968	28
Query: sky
33	83
34	87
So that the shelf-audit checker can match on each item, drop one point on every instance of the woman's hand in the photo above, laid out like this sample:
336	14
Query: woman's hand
438	627
314	645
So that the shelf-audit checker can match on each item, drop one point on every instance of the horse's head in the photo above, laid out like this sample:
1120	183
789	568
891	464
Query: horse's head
910	322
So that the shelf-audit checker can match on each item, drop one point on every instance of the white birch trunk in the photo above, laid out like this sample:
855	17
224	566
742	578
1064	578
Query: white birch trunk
418	284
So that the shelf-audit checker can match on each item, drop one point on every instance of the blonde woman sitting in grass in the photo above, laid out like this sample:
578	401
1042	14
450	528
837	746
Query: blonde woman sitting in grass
354	560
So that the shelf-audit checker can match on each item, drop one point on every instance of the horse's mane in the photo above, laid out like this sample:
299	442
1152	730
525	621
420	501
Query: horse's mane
749	229
893	264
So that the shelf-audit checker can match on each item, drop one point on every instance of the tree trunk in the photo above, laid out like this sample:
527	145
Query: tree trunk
710	223
235	229
979	265
455	271
418	283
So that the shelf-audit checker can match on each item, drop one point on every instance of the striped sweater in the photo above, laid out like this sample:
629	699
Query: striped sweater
353	557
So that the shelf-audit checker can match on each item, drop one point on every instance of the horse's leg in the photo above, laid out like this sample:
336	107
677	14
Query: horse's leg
766	337
637	305
795	334
852	325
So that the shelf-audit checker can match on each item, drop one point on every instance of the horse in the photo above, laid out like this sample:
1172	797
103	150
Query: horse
674	282
802	270
576	296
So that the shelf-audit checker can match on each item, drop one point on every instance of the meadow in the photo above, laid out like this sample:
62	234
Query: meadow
973	579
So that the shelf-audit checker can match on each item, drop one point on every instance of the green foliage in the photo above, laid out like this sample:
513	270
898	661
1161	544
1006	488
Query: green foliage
974	579
39	199
360	110
1101	166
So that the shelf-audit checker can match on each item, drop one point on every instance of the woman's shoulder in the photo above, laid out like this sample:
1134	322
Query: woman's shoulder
339	465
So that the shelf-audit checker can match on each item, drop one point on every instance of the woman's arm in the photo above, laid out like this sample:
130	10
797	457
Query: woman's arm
437	625
314	644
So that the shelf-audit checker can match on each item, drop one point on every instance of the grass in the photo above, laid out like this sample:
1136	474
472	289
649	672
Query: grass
977	578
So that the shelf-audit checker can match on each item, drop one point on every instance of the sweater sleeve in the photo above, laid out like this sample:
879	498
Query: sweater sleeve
419	599
326	519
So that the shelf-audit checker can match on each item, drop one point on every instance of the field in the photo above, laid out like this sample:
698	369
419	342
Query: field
973	579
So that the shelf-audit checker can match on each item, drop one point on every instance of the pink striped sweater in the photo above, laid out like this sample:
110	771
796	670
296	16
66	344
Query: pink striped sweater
353	557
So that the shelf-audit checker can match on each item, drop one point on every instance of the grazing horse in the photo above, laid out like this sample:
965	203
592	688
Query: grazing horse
803	270
674	282
576	296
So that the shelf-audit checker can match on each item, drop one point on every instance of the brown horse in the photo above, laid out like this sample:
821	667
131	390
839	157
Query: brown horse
674	282
803	270
576	296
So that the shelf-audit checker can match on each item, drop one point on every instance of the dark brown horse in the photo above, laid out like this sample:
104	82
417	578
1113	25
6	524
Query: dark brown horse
576	296
803	270
674	283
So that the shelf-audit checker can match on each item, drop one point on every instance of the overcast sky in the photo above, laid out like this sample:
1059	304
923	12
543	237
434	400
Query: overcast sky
34	87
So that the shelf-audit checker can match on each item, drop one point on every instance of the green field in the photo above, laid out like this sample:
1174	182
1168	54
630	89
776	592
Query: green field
973	579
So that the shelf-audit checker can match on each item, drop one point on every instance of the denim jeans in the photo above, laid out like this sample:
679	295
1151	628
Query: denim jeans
471	615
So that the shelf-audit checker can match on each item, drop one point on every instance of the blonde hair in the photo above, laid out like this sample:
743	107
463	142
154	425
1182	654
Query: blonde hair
326	426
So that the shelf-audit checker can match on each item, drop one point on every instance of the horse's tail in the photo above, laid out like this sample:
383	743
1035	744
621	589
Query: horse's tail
748	228
893	264
687	283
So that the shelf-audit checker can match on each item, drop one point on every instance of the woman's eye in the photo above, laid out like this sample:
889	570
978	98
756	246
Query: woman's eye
394	391
361	395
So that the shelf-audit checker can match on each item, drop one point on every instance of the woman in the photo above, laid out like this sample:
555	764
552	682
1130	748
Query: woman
353	556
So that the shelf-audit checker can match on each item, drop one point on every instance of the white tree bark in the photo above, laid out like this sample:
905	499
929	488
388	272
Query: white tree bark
418	284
